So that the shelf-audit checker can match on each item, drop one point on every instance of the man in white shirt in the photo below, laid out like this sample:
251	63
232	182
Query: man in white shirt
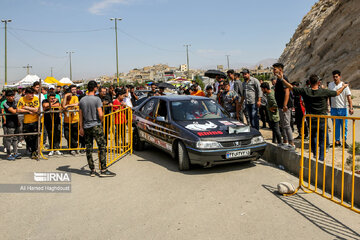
339	106
127	100
231	78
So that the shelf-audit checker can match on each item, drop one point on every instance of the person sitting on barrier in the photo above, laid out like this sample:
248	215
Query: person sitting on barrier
11	125
29	104
91	117
120	118
70	103
315	99
52	122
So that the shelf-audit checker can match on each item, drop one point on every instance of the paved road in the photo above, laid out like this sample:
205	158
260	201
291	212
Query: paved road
151	199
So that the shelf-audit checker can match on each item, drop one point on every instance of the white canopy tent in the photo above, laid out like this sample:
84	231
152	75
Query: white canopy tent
29	80
66	80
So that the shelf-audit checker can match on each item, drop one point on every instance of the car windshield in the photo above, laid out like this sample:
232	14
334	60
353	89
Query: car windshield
196	109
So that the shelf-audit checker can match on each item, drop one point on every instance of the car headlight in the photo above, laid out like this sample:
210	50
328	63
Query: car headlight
257	140
208	144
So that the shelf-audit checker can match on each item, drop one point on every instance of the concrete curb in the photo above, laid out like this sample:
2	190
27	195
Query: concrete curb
291	162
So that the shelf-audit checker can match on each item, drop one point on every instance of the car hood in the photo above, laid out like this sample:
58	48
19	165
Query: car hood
215	128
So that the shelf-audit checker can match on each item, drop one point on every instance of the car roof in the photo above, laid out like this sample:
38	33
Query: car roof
175	97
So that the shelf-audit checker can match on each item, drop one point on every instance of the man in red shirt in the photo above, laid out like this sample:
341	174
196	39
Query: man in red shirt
120	118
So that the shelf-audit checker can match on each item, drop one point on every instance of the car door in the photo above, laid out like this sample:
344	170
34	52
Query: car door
145	119
164	130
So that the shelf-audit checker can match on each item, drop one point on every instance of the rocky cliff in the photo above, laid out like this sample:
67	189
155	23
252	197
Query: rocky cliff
328	38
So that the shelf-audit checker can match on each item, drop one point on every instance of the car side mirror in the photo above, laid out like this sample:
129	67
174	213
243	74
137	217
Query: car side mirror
160	119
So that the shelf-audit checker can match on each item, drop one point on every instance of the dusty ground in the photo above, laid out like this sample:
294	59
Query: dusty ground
151	199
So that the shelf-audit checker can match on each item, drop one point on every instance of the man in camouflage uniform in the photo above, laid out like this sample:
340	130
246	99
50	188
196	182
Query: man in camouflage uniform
91	116
230	100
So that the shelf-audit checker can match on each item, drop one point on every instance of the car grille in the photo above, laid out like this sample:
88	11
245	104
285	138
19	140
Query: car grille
238	143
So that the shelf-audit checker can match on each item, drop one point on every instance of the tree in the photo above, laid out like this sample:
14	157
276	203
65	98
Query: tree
199	81
136	83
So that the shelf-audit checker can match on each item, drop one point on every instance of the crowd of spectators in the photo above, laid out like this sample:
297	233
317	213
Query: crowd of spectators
279	105
60	107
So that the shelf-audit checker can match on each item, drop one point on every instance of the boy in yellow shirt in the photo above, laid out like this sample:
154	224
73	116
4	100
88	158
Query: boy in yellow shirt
29	104
71	119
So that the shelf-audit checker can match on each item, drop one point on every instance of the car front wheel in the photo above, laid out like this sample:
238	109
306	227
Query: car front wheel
183	157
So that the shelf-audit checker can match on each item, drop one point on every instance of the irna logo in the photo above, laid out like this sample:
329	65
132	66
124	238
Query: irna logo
52	177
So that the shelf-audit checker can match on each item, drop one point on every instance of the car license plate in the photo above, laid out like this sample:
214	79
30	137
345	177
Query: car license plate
241	153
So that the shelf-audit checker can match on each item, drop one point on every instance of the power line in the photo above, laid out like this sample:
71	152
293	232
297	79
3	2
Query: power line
60	70
203	56
33	48
51	31
148	44
1	66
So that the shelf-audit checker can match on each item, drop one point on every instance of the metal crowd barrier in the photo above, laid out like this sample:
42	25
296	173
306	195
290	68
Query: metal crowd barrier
118	131
118	136
313	182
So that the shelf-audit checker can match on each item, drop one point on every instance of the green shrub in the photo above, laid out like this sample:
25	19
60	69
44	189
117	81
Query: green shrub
357	148
349	160
357	167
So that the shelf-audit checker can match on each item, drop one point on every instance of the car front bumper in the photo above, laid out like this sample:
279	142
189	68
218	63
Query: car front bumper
218	156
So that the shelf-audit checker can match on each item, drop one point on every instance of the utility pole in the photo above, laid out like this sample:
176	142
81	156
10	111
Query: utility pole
27	69
228	63
70	63
51	71
5	22
116	43
187	59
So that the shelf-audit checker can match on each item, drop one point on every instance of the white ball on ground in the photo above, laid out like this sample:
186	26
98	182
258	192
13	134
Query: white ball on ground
285	188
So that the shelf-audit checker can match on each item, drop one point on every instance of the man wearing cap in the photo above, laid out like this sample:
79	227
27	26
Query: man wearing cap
209	93
252	95
52	90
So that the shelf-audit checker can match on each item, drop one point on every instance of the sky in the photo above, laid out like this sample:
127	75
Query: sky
150	32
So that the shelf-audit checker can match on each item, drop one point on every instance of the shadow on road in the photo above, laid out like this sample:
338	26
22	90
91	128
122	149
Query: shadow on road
81	171
316	215
152	154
